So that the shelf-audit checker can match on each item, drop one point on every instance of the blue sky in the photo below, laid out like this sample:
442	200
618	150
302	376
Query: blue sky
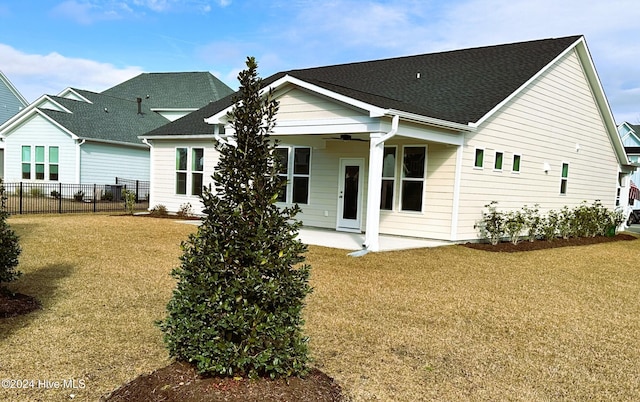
48	45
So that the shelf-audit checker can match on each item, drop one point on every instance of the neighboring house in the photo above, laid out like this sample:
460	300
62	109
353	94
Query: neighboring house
11	103
84	137
630	136
417	146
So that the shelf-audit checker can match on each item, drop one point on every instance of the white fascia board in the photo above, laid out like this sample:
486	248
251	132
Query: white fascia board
26	114
430	120
111	142
526	84
68	90
168	109
601	99
178	137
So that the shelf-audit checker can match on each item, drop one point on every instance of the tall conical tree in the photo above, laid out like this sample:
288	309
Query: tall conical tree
242	281
9	244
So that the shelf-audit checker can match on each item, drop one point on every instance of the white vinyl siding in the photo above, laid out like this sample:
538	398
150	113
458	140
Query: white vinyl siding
102	163
547	119
163	184
37	131
299	104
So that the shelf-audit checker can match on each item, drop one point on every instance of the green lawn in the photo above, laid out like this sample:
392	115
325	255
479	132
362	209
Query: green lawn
447	323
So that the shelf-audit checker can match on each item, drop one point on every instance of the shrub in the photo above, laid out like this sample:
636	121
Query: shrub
514	224
9	244
79	195
55	194
566	224
129	201
241	284
159	210
549	228
107	196
533	221
491	226
35	192
185	211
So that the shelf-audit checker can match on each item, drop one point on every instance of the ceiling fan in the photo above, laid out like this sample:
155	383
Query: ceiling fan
346	137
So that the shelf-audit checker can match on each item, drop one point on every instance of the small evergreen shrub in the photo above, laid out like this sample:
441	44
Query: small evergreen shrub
491	226
36	192
566	224
79	195
532	221
242	281
129	201
9	244
185	210
159	210
107	196
514	225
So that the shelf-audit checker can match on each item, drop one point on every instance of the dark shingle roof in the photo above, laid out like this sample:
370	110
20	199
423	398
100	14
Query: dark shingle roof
172	90
458	86
120	122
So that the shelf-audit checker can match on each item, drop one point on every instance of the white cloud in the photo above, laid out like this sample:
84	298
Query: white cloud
33	73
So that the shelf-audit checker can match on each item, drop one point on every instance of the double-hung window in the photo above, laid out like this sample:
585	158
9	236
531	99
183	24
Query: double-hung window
295	169
189	170
413	177
564	177
42	160
388	178
26	162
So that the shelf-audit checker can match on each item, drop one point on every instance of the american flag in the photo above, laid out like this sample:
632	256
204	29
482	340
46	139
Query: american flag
634	192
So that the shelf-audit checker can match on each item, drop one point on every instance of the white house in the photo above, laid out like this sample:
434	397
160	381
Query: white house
630	137
416	146
84	137
11	103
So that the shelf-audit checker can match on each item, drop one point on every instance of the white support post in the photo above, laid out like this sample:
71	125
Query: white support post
376	153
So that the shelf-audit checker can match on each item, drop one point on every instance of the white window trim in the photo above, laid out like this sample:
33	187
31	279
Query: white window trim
484	157
495	158
189	172
520	164
46	162
564	178
291	150
394	206
423	179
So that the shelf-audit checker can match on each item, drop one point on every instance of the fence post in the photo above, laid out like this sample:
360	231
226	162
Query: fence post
59	198
94	198
137	189
21	191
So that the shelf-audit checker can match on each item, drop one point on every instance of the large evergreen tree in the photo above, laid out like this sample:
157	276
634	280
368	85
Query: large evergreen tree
237	306
9	245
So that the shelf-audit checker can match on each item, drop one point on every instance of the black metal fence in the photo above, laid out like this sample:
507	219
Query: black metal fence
51	198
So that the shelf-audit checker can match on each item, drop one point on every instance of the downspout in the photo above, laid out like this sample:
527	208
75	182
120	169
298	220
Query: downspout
376	154
78	165
151	173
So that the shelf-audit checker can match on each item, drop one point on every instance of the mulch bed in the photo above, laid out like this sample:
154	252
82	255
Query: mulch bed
525	245
14	304
180	382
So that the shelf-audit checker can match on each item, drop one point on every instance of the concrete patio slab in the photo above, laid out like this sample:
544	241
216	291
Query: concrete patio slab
353	241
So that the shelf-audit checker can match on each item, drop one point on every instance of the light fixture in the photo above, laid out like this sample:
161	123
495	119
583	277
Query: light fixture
546	167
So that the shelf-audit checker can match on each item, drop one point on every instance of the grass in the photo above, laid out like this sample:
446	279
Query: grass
447	323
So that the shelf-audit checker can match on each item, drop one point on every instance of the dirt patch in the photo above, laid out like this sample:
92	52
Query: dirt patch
508	247
14	304
180	382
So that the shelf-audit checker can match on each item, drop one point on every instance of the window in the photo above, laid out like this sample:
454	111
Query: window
295	169
53	163
479	158
197	170
516	163
564	178
301	159
497	164
181	170
26	162
413	169
282	154
39	163
388	178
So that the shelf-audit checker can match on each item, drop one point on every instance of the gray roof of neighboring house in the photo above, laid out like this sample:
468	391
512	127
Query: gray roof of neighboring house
11	101
122	122
106	118
458	86
187	89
